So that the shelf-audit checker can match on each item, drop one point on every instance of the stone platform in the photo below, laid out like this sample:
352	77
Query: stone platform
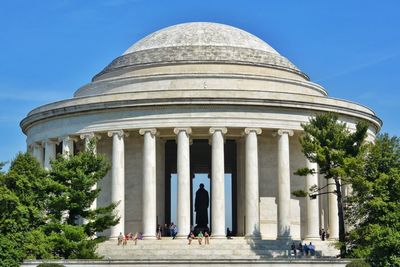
232	249
220	252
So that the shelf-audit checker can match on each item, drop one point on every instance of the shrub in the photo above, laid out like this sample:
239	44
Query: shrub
358	263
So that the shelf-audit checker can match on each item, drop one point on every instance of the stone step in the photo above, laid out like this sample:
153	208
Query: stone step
179	249
199	252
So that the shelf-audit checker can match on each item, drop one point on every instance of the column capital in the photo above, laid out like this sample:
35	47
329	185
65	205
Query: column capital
215	129
283	131
180	129
38	144
51	141
89	136
120	133
153	131
249	130
67	138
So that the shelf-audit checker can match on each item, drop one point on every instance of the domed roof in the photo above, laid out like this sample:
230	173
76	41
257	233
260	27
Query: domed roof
200	34
198	43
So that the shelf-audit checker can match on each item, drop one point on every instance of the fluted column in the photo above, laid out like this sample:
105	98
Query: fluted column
183	173
49	153
118	180
67	146
87	137
252	198
312	204
149	207
284	193
38	153
333	227
217	182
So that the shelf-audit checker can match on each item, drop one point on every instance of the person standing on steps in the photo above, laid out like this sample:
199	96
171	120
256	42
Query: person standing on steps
120	238
159	230
293	248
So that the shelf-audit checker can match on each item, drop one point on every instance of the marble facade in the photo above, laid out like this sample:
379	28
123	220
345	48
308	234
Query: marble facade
199	81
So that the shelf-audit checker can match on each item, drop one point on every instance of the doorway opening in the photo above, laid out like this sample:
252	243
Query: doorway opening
200	166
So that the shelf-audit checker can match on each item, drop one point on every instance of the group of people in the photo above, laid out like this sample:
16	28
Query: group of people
123	239
170	230
303	250
199	237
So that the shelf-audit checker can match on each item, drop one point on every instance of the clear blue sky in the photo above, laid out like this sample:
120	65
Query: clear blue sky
50	48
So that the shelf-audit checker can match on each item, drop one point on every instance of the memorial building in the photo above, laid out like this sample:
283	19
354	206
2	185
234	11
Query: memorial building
200	98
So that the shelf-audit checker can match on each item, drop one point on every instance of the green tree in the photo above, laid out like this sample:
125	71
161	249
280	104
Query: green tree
73	192
23	195
40	210
374	207
337	151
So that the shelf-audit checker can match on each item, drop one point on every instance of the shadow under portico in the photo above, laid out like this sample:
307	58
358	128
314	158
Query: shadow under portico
200	163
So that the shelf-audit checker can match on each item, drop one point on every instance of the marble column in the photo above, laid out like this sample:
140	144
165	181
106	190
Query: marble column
118	180
87	137
284	219
252	197
183	173
312	204
38	153
49	153
333	218
67	146
149	205
217	182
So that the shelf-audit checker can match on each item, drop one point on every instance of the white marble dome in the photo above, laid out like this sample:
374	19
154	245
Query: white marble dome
200	34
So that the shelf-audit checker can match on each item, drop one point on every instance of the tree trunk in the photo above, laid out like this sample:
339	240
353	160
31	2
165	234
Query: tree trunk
342	234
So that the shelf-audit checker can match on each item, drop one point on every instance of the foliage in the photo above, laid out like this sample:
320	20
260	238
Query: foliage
374	208
10	252
337	151
22	210
358	263
22	195
50	265
74	192
40	210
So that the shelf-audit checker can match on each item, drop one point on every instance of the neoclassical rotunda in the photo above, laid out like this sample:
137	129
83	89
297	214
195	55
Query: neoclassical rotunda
199	98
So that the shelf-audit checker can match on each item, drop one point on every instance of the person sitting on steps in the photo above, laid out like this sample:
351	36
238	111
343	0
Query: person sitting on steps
190	237
200	237
206	238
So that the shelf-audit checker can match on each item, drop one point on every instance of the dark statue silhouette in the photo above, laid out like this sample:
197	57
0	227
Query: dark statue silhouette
201	204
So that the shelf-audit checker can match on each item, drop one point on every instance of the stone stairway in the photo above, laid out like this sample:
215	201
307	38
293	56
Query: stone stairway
221	252
219	249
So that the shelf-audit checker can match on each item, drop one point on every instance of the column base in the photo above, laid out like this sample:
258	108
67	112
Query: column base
312	238
149	237
218	237
254	237
178	236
